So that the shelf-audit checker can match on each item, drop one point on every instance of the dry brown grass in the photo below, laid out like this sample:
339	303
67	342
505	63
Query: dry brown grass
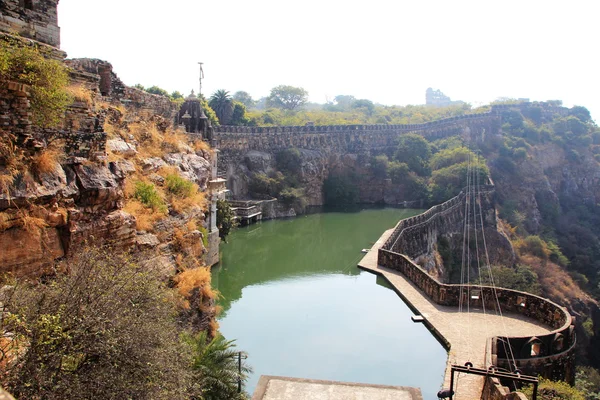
11	161
111	130
145	217
81	94
191	225
195	279
556	283
213	327
149	139
47	160
200	145
182	205
175	141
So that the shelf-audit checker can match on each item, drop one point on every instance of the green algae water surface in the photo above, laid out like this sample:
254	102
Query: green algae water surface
295	301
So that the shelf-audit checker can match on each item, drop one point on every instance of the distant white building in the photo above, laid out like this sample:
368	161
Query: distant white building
438	99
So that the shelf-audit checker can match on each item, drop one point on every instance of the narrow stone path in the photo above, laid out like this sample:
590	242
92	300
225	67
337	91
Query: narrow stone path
467	333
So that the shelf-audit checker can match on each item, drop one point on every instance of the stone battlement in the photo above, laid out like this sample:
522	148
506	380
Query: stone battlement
550	355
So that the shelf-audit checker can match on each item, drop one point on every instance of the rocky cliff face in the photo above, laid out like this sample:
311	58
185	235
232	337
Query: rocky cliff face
73	183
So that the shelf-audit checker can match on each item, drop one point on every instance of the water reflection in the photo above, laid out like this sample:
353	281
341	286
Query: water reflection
295	301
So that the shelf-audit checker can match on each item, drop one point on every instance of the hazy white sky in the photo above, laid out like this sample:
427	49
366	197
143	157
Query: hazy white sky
388	51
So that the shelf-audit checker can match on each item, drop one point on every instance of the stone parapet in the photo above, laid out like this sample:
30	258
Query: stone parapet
533	355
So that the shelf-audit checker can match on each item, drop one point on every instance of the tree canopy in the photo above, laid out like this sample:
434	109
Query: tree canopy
222	103
287	97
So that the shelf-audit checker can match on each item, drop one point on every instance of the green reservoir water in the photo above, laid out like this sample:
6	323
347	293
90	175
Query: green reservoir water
295	301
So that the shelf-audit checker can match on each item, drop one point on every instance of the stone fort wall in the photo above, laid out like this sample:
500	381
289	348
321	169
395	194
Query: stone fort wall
359	138
33	19
555	351
346	138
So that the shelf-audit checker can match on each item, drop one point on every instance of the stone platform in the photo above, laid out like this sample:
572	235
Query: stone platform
284	388
464	334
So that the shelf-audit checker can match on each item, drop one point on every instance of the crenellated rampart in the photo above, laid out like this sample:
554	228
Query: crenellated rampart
346	138
550	355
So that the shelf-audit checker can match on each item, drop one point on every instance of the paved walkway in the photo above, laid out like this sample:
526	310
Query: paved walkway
467	333
284	388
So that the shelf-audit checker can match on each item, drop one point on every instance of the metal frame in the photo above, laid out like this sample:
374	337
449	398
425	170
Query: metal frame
492	372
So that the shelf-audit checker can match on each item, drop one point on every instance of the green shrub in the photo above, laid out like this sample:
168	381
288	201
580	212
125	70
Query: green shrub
225	219
147	194
289	161
550	390
179	186
25	62
340	189
204	233
398	172
533	244
292	196
379	166
448	157
521	278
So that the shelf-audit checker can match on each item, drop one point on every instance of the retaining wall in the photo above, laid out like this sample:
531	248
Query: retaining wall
550	355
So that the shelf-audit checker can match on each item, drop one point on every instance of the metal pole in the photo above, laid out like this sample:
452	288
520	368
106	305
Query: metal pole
201	76
451	384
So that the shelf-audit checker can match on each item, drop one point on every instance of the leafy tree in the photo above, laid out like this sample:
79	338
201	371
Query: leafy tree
244	98
364	105
176	95
379	166
238	117
344	101
105	330
26	63
222	103
139	86
159	91
216	370
521	278
415	151
289	160
398	172
209	112
225	218
582	113
587	380
340	189
287	97
549	390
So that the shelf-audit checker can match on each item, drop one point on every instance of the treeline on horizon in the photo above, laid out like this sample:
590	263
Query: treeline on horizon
288	106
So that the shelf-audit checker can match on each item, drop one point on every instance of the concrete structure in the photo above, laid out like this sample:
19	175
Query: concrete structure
438	99
283	388
536	332
32	19
246	211
217	190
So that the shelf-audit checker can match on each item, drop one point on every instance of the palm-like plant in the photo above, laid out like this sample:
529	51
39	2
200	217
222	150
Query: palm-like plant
222	103
216	369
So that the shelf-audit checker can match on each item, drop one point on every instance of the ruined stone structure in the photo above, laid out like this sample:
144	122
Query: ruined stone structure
33	19
103	81
551	355
192	116
438	99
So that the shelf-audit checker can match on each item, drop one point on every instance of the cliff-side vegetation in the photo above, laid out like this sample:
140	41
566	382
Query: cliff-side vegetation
282	181
107	329
47	79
